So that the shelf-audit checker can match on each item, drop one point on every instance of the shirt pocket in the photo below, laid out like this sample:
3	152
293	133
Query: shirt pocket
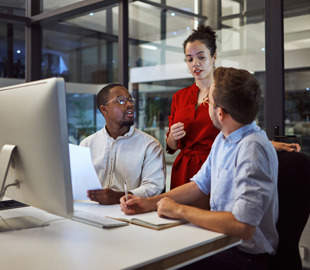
223	191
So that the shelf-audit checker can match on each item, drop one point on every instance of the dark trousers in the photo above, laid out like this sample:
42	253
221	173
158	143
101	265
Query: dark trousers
233	259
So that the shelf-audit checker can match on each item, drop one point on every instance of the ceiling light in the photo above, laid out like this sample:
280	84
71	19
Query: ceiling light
150	47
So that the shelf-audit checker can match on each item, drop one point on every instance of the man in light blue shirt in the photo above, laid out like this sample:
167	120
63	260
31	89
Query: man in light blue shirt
244	170
240	175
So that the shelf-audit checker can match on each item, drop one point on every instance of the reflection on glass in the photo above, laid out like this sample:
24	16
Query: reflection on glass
83	49
81	118
229	7
297	72
14	7
55	4
12	50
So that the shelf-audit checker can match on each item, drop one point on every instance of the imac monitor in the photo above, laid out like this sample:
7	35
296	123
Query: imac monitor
34	157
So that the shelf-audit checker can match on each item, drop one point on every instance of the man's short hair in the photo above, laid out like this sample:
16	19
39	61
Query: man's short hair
104	94
238	92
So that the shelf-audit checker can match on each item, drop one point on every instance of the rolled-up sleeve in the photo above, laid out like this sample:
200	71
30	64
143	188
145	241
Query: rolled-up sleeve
254	183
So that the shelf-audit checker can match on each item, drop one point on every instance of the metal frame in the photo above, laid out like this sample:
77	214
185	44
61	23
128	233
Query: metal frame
123	46
33	43
274	53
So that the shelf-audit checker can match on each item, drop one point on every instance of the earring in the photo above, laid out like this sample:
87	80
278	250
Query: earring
188	70
214	65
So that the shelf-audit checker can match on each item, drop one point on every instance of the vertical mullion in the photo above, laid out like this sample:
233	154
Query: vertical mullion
123	46
274	95
33	43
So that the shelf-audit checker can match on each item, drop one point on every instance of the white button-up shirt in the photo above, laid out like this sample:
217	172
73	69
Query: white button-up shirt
136	158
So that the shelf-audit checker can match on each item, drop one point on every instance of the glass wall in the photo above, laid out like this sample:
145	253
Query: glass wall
297	71
48	5
157	67
83	49
12	44
12	50
14	7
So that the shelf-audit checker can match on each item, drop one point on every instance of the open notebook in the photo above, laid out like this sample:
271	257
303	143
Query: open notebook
149	220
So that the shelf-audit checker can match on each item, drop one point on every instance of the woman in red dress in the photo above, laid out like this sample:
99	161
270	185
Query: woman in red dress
190	127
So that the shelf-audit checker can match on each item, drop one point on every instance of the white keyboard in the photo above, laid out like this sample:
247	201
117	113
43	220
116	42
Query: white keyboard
96	220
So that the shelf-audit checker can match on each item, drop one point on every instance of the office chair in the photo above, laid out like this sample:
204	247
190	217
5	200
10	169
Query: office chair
294	207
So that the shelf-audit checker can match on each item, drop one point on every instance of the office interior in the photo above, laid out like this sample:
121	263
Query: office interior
92	43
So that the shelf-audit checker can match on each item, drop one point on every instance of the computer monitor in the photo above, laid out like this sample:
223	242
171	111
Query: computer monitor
34	146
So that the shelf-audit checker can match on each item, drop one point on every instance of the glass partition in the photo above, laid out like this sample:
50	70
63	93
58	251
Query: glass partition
12	50
84	51
157	67
13	7
48	5
297	72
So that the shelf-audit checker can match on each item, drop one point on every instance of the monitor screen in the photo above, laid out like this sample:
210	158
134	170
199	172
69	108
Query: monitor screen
33	118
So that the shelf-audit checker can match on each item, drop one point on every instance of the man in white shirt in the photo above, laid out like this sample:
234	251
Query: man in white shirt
123	154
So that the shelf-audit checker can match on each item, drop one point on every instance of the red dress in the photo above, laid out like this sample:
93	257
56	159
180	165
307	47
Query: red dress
200	134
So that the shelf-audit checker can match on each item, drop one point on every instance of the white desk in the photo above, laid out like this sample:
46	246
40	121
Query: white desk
67	244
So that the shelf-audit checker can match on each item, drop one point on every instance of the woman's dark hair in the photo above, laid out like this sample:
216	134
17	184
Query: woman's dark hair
204	34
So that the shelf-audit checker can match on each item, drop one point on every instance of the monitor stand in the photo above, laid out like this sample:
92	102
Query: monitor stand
15	223
20	223
5	161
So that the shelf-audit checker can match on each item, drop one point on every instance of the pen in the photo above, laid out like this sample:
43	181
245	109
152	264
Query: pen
126	193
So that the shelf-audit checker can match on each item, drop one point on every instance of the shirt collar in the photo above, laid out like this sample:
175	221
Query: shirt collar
126	135
240	133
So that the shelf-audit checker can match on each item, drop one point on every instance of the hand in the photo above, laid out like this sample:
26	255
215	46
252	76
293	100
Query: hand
177	131
169	208
289	147
104	196
135	205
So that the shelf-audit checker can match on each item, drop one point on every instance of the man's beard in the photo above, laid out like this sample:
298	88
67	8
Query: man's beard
215	122
128	123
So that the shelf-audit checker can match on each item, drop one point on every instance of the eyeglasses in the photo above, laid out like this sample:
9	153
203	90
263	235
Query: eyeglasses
215	105
122	100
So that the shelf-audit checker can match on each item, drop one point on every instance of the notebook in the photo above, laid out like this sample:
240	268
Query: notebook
149	220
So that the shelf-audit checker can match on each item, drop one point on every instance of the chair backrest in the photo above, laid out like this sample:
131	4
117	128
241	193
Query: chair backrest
294	207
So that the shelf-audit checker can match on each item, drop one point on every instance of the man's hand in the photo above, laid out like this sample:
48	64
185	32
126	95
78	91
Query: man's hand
136	205
169	208
104	196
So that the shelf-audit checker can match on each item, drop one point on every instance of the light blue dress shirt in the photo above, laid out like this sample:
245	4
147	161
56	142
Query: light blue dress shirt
241	173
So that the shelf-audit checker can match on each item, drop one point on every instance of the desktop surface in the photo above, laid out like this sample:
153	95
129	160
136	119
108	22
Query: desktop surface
67	244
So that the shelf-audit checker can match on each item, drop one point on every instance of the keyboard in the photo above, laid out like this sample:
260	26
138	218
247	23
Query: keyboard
96	220
10	204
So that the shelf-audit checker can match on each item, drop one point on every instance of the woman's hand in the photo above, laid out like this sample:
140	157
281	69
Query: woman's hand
177	131
289	147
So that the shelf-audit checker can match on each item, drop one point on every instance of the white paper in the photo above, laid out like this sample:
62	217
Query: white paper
83	174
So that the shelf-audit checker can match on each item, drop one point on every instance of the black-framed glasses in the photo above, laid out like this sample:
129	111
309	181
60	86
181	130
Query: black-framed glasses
215	105
122	100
